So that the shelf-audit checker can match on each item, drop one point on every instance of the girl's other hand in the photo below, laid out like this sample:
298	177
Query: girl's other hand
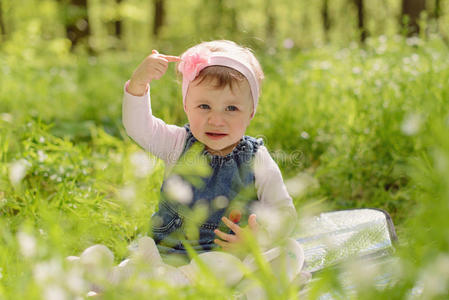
152	67
233	242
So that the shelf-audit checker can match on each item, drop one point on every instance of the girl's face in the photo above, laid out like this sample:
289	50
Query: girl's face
218	117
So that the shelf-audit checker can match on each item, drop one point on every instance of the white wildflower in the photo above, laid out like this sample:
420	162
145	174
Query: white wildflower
356	70
305	135
271	221
54	292
142	163
75	281
325	65
434	278
364	274
27	244
298	185
1	274
41	156
411	124
18	170
220	202
288	43
43	272
179	190
6	117
127	193
413	41
41	140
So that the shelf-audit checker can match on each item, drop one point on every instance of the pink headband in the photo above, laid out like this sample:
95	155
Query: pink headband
195	60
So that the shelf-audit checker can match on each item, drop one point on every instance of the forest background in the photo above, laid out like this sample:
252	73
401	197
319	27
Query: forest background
354	109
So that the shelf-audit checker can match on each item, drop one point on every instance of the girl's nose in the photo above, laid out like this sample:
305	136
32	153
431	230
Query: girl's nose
216	119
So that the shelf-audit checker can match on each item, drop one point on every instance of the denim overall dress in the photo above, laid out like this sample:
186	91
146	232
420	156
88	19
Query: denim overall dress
231	176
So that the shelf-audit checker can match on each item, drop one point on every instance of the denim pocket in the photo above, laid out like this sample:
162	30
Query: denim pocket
166	220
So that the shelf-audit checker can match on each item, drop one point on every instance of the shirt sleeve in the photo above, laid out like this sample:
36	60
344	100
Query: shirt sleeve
151	133
275	209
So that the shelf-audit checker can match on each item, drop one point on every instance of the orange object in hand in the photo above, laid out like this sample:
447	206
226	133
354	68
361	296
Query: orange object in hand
235	215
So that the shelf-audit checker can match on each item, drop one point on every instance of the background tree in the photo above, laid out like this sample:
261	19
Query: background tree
411	10
361	20
76	22
326	19
118	22
2	23
159	16
270	29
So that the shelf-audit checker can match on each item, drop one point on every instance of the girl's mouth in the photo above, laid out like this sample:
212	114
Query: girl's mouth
215	136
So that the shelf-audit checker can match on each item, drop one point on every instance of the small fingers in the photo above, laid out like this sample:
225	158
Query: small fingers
234	227
225	236
223	244
253	223
171	58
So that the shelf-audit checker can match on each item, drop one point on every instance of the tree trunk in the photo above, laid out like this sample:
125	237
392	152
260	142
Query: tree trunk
77	24
361	20
326	19
118	23
159	16
412	9
437	11
270	27
2	23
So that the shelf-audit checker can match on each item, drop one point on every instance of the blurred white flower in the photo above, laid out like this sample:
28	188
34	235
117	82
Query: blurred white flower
382	39
127	193
271	221
298	185
17	171
411	124
381	49
41	140
434	279
220	202
288	43
41	156
356	70
46	271
325	65
142	163
362	274
413	41
75	281
179	190
6	117
305	135
54	292
1	274
27	244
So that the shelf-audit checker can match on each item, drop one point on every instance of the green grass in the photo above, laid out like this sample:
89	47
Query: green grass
368	125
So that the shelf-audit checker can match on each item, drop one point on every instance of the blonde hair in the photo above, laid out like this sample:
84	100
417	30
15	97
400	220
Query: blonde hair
225	76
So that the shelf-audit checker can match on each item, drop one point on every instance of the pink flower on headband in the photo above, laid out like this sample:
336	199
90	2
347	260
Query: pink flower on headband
193	62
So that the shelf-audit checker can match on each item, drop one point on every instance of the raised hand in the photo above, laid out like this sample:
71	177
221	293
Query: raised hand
233	243
152	67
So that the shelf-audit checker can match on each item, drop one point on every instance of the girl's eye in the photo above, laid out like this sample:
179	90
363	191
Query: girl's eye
203	106
232	108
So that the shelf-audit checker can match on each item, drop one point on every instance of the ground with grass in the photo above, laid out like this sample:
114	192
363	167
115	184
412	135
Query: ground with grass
350	127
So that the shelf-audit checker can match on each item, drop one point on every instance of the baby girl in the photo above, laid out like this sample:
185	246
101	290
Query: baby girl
221	86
